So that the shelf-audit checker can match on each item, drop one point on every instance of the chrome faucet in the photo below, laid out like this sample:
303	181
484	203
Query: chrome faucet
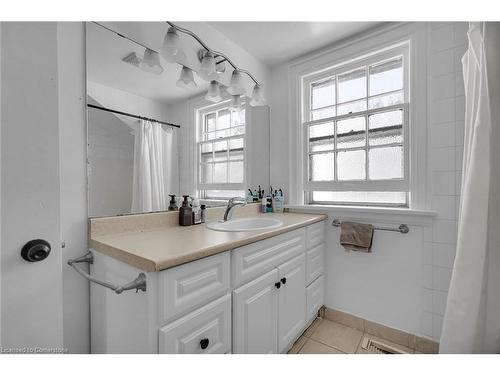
231	203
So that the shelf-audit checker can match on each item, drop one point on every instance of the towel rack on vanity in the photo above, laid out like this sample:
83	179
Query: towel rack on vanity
139	283
403	228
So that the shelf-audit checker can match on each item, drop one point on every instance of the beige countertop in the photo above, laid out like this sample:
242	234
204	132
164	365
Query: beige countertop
161	247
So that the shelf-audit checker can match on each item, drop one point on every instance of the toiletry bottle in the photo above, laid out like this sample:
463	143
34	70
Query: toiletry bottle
196	211
185	213
203	213
249	196
173	203
269	204
263	205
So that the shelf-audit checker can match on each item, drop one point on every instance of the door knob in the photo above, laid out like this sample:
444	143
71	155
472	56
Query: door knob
35	250
277	285
283	280
204	343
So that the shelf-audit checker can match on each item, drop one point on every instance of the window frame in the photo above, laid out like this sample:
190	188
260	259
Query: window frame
305	95
200	113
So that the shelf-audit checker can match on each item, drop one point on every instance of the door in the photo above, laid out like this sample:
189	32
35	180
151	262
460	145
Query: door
31	298
255	315
292	301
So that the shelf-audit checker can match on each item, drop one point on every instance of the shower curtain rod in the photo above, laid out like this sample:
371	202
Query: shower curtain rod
131	115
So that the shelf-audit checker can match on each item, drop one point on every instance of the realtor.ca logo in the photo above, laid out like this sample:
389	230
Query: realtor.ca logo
32	350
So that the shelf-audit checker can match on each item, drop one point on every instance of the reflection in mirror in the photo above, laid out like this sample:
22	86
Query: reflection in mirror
143	144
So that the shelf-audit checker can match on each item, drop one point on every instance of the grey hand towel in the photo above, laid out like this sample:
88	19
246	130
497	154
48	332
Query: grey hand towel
356	236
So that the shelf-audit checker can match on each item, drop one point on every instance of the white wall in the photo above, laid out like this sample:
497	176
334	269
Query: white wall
404	282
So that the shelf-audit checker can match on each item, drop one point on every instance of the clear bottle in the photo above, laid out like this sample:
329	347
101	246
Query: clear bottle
196	211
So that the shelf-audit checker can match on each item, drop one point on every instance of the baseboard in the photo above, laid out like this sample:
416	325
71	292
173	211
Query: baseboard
419	344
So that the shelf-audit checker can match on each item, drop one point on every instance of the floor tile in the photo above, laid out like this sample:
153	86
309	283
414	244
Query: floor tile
309	331
314	347
360	350
298	345
338	336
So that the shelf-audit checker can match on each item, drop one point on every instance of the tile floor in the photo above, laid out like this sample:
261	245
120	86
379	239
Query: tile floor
327	337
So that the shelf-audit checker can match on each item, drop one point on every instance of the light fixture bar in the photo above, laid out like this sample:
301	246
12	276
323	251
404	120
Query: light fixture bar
216	53
124	36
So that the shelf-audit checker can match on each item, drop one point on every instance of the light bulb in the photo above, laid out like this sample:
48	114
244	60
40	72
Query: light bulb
213	93
236	85
235	105
186	79
151	62
207	69
172	49
257	96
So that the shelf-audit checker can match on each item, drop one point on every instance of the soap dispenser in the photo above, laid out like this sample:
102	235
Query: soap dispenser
173	203
185	213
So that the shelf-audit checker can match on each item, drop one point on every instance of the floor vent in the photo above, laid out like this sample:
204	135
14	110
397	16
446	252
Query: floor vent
378	347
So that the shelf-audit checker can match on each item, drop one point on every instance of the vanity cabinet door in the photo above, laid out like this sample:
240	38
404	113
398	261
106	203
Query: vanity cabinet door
204	331
292	301
255	315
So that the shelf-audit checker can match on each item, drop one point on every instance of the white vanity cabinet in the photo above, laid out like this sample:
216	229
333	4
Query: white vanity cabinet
256	298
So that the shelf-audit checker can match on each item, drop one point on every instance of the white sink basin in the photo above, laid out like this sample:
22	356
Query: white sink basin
245	224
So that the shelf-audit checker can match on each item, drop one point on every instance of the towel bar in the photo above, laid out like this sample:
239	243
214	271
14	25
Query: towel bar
139	283
403	228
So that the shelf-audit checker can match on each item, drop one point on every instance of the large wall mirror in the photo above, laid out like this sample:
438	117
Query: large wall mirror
150	135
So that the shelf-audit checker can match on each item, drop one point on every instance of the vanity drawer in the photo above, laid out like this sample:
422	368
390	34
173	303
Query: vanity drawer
315	234
255	259
206	330
191	285
315	295
315	263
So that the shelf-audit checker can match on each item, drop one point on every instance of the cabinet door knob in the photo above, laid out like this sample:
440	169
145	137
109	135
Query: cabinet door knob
283	280
35	250
277	285
204	343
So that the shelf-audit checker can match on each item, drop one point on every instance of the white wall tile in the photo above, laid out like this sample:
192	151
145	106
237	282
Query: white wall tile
445	206
459	154
443	111
459	133
442	63
444	183
460	33
443	255
439	302
443	86
459	83
458	182
427	300
437	326
460	108
443	38
426	326
444	231
441	277
443	135
427	253
427	276
443	159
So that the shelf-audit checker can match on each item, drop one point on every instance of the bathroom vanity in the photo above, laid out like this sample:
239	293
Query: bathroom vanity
206	291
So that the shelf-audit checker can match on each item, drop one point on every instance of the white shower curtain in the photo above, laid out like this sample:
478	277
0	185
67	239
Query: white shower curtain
156	171
472	318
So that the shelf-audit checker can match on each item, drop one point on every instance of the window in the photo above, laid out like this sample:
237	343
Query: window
355	127
221	152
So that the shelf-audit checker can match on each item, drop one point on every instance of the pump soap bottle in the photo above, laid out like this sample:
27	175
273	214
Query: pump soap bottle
173	203
185	213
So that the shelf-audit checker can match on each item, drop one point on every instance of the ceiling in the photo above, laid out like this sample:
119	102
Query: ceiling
276	42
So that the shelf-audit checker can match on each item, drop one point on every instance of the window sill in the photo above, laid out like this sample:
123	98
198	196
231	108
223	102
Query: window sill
375	214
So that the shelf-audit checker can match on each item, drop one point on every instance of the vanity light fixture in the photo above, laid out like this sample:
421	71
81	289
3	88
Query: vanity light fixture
151	62
172	50
213	93
257	96
236	85
186	79
235	105
207	71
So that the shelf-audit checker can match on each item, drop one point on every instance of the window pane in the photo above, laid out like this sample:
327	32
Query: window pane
386	100
210	122
385	163
224	119
210	136
238	130
321	167
351	165
237	118
220	173
220	153
220	145
322	144
236	171
236	149
223	194
376	197
352	85
351	132
321	130
222	133
206	147
321	137
386	128
352	107
206	173
323	113
387	76
323	94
